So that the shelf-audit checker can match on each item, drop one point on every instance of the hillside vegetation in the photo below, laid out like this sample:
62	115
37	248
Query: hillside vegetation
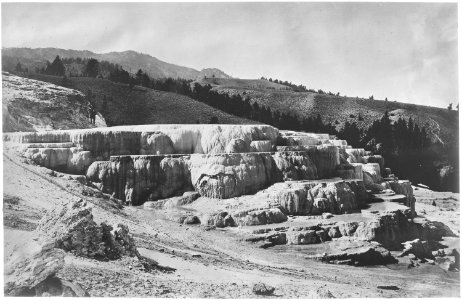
129	60
442	123
140	105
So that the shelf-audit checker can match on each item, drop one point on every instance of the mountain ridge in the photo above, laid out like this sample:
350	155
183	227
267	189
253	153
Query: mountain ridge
130	60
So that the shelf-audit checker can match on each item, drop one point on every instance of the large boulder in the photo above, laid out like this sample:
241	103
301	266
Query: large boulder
72	228
27	267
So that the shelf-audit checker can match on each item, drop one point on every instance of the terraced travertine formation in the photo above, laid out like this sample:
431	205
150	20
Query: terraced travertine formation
274	187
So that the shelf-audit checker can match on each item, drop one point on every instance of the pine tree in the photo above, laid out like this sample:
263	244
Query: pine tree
92	68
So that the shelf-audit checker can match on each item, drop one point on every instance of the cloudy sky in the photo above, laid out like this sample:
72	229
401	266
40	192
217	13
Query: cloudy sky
406	52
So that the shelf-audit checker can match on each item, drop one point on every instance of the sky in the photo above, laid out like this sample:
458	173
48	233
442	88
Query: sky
403	51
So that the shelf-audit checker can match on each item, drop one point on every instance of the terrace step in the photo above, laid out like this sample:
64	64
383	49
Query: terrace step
48	145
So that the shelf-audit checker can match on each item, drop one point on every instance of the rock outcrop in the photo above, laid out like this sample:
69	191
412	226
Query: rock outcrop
231	175
71	227
26	268
136	179
70	160
294	166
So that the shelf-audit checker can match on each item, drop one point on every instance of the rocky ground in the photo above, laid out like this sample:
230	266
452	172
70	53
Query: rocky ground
211	262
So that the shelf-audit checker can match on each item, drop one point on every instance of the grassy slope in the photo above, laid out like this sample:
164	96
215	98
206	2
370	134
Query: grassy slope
442	122
145	106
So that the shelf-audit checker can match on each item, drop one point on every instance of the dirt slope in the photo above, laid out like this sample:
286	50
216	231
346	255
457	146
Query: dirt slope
31	105
144	106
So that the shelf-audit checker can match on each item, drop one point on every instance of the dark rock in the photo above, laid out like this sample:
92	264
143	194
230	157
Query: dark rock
190	220
263	289
388	287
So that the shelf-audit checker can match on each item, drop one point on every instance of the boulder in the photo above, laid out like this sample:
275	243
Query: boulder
420	249
262	289
255	217
220	220
72	229
26	268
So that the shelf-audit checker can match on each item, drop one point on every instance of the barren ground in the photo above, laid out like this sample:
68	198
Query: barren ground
210	263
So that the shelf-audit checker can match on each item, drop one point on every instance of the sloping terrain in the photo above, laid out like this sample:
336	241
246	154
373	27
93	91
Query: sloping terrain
208	263
139	105
129	60
337	110
32	105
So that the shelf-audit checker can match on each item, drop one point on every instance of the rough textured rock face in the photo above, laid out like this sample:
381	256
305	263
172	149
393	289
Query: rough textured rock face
333	197
72	228
355	155
129	140
350	171
231	175
136	179
70	160
326	159
373	169
237	146
261	146
360	254
295	166
376	159
258	217
318	196
404	187
30	266
294	201
155	144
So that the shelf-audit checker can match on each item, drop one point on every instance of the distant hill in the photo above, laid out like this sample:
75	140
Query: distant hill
129	60
32	105
139	105
337	110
